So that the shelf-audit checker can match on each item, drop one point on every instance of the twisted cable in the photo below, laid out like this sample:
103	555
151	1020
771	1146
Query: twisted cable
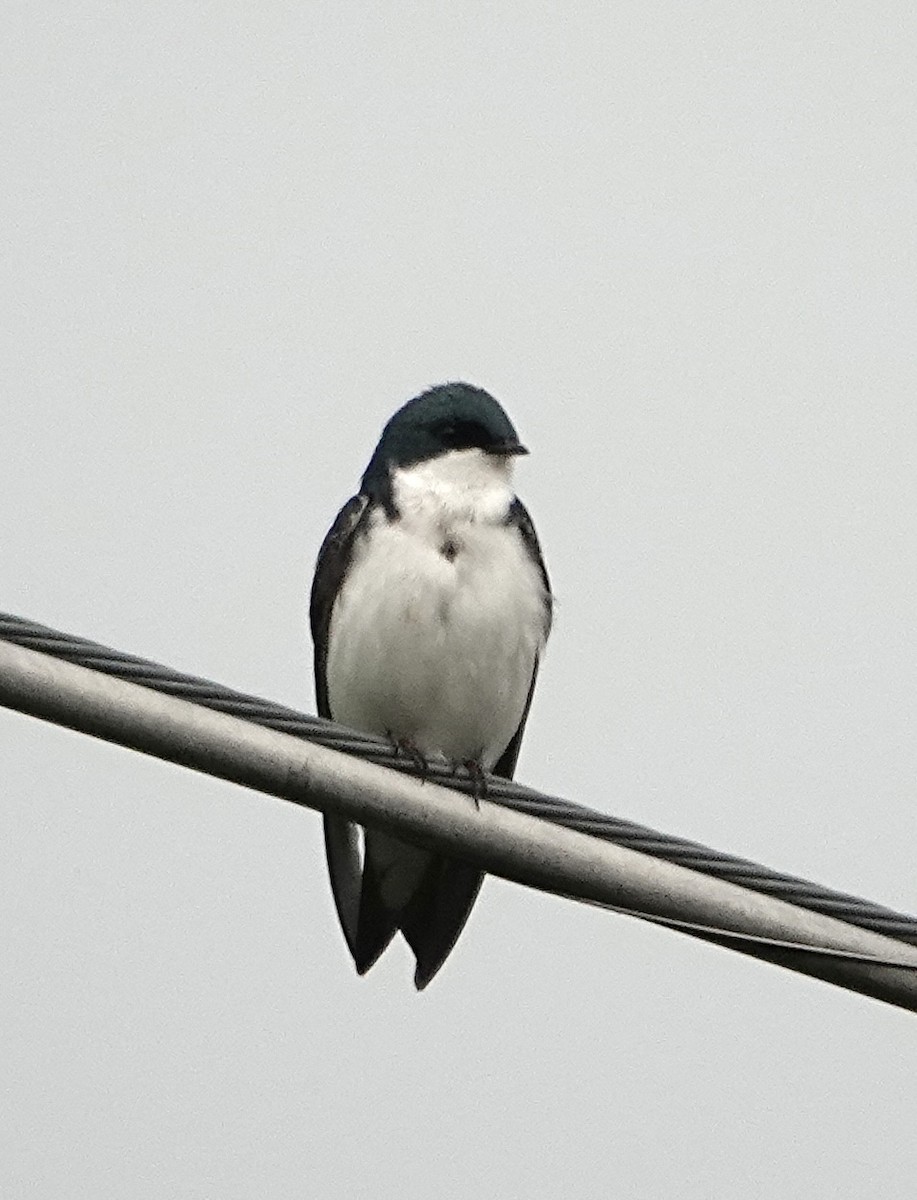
703	859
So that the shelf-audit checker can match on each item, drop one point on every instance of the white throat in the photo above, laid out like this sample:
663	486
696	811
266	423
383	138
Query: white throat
463	485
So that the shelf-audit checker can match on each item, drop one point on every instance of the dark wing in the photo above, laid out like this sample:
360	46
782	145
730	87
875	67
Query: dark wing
519	516
330	569
439	909
342	843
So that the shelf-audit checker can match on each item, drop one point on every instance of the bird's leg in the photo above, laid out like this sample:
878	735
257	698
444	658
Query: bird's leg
406	747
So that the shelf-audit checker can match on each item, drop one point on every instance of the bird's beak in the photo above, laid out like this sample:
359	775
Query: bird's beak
507	447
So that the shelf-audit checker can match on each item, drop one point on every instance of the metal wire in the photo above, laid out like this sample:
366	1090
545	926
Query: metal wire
702	859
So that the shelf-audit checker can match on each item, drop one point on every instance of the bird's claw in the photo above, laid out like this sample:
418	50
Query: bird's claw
477	775
407	748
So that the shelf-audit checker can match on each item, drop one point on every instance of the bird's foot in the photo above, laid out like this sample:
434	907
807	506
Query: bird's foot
406	747
476	774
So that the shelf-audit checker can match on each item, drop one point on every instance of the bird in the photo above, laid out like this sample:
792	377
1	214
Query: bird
430	610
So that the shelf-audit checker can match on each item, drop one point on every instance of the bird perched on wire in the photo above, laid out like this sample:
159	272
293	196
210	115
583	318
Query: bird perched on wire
430	610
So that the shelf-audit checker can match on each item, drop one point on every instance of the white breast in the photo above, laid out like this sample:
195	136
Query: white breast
439	624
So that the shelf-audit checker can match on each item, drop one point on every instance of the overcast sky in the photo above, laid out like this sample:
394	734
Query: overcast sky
677	241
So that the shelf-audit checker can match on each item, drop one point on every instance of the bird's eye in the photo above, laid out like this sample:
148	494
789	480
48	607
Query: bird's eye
461	434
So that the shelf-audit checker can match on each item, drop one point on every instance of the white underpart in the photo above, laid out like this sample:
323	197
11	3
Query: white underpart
437	650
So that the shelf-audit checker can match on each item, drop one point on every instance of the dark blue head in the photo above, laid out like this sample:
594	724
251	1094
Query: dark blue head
452	416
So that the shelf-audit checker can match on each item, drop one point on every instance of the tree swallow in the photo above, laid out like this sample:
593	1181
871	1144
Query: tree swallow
430	610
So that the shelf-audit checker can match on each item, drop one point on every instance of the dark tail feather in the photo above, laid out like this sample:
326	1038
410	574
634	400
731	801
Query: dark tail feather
367	924
437	913
431	922
376	925
342	849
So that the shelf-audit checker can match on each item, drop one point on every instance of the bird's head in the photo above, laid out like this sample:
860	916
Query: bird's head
451	416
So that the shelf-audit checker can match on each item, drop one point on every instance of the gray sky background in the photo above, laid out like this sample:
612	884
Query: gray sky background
678	242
